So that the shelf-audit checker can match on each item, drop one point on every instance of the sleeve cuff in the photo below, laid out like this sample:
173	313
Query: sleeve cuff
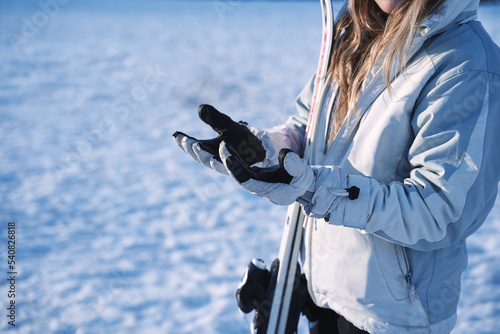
354	213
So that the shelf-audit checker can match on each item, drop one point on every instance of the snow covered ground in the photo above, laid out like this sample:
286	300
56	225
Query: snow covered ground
117	231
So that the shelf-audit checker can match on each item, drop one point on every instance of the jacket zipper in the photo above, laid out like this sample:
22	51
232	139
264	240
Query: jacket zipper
408	277
314	125
331	105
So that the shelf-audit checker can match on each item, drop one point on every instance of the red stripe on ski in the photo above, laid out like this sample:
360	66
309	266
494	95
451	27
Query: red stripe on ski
316	87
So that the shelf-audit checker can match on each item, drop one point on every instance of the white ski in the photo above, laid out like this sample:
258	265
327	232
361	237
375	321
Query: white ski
292	234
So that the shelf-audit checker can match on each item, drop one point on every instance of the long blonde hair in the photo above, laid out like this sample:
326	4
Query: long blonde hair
365	34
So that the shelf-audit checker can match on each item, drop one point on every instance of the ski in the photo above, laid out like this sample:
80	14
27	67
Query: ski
292	234
272	292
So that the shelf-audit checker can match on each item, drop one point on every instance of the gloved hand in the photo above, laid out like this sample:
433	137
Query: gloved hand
317	189
238	135
281	184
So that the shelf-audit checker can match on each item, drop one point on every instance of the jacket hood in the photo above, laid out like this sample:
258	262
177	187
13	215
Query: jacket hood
451	11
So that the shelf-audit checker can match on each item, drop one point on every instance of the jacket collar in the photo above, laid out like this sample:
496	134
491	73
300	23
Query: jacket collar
449	13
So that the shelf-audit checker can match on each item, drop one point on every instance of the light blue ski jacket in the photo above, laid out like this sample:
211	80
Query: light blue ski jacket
427	161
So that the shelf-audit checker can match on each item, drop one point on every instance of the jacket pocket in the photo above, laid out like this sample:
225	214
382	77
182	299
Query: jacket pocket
348	269
394	268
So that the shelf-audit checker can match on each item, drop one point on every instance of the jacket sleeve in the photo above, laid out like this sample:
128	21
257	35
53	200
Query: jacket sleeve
455	169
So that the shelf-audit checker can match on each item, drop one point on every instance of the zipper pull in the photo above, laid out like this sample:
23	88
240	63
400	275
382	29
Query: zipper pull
411	289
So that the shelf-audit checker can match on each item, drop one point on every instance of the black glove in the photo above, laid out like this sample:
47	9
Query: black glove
248	146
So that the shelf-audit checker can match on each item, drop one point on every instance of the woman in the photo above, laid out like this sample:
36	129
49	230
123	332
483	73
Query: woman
411	118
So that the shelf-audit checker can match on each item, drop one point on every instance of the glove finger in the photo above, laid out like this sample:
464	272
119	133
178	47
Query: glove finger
223	151
208	160
202	156
218	166
234	166
238	135
217	120
181	140
178	137
291	162
193	148
240	174
186	144
277	193
211	146
273	174
303	175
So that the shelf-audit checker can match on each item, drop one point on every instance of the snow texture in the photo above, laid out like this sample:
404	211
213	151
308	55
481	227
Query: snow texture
118	231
